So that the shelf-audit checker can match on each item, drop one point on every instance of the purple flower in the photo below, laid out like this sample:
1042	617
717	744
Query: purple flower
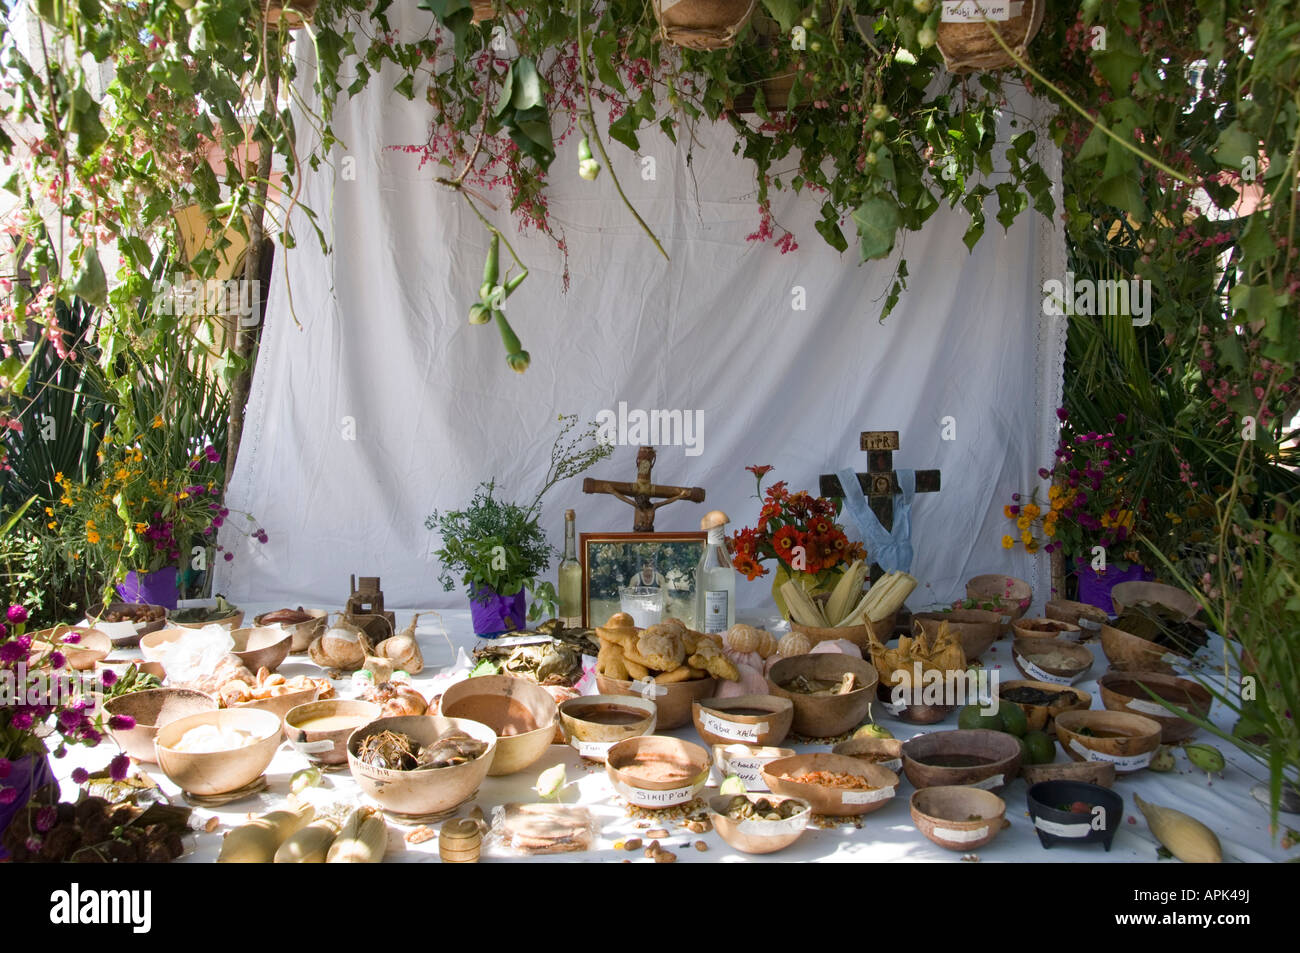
196	489
6	767
211	453
1120	418
121	722
4	630
118	767
12	652
1044	473
108	677
22	720
217	521
195	464
1015	510
228	557
17	614
8	795
72	638
1061	415
57	660
69	719
80	775
33	844
46	818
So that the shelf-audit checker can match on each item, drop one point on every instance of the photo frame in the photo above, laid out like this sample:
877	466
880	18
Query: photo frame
611	561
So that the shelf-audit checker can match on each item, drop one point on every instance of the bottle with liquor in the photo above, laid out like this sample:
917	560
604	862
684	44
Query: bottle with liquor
715	579
570	577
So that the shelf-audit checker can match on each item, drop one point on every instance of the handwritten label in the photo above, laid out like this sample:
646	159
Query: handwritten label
1133	762
1062	830
749	772
645	798
961	837
595	750
977	11
732	730
989	783
866	797
1147	707
1036	673
313	747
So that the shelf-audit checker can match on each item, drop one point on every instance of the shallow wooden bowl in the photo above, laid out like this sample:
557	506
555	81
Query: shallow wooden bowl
507	705
1041	627
837	802
758	837
1091	772
262	646
1127	594
1012	595
1085	615
1127	652
636	789
330	746
1123	691
825	716
232	621
93	647
747	761
432	791
152	709
138	629
592	739
886	752
1002	751
1043	717
303	633
717	721
218	772
977	628
943	814
1129	753
281	705
1028	656
913	714
118	666
673	700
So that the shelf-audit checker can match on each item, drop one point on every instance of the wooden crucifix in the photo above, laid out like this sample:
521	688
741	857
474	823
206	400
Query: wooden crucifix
642	494
880	482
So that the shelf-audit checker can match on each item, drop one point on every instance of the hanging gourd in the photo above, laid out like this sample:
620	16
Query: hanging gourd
967	42
702	24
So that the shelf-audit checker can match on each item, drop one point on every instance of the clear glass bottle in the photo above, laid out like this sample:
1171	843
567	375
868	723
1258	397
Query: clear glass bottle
570	576
715	579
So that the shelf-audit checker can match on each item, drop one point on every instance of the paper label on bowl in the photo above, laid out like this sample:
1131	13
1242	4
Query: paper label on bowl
1036	673
1005	620
790	825
1130	762
989	783
644	798
1171	658
892	708
1091	625
893	764
1146	707
748	770
961	837
1062	830
313	747
596	750
977	11
732	730
866	797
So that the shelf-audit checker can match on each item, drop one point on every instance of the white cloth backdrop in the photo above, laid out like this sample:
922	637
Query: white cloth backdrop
384	343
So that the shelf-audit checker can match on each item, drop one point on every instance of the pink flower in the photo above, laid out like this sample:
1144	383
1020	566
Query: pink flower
17	614
80	775
118	767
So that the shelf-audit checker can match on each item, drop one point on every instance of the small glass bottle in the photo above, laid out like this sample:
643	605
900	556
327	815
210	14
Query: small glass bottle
570	577
715	579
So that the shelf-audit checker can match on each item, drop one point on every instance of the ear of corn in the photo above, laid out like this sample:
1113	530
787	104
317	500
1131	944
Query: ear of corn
883	599
802	608
363	839
309	845
1183	836
257	841
846	592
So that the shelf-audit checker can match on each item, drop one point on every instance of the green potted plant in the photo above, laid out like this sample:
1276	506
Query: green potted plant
499	549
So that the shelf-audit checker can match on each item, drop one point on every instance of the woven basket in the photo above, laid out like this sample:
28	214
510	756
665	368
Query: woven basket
970	47
483	10
702	24
295	13
857	634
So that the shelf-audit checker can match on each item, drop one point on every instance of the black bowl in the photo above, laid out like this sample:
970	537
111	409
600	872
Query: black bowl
1055	826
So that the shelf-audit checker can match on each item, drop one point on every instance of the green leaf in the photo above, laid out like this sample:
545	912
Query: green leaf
406	87
623	129
91	284
828	226
1123	193
1117	65
877	220
85	122
1233	145
785	12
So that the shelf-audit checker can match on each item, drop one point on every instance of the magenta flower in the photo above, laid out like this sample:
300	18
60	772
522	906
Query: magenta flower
118	767
211	453
46	818
1061	415
8	795
57	660
70	720
108	677
17	614
80	775
121	722
22	720
228	557
6	768
72	638
12	652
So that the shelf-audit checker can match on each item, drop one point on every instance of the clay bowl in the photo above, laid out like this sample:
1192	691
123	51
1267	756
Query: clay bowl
1132	653
1010	594
943	814
625	761
1030	656
231	621
747	762
281	705
857	634
218	772
302	632
433	791
118	666
154	646
93	647
1087	617
152	709
1123	691
719	720
886	752
137	628
1042	717
1131	593
593	738
977	628
911	713
1055	826
999	751
672	700
1092	772
825	716
1140	737
758	837
837	802
328	746
520	711
1041	627
262	647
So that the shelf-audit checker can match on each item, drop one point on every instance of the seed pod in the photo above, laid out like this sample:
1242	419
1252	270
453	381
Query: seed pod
1163	760
1206	757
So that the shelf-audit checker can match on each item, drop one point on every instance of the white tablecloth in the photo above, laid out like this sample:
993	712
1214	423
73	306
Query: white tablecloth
1225	804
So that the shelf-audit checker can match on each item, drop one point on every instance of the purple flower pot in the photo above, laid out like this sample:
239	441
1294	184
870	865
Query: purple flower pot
497	614
155	588
27	775
1095	587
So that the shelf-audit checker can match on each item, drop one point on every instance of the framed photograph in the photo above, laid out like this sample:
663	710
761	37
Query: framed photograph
641	573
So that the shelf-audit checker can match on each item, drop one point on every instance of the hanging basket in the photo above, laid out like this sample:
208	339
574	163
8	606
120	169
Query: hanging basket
702	24
483	10
967	43
295	13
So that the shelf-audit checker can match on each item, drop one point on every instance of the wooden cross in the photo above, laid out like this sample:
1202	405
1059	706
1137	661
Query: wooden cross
641	494
880	482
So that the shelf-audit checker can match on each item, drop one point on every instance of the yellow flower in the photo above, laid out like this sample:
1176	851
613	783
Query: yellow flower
1023	522
49	511
1006	511
1026	537
52	525
1031	547
120	474
141	527
58	477
1007	542
92	537
182	495
1054	492
157	421
1049	530
90	524
1032	510
65	500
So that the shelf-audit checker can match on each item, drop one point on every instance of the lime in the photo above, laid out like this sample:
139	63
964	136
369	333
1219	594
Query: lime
1041	748
732	785
1013	719
972	716
873	730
